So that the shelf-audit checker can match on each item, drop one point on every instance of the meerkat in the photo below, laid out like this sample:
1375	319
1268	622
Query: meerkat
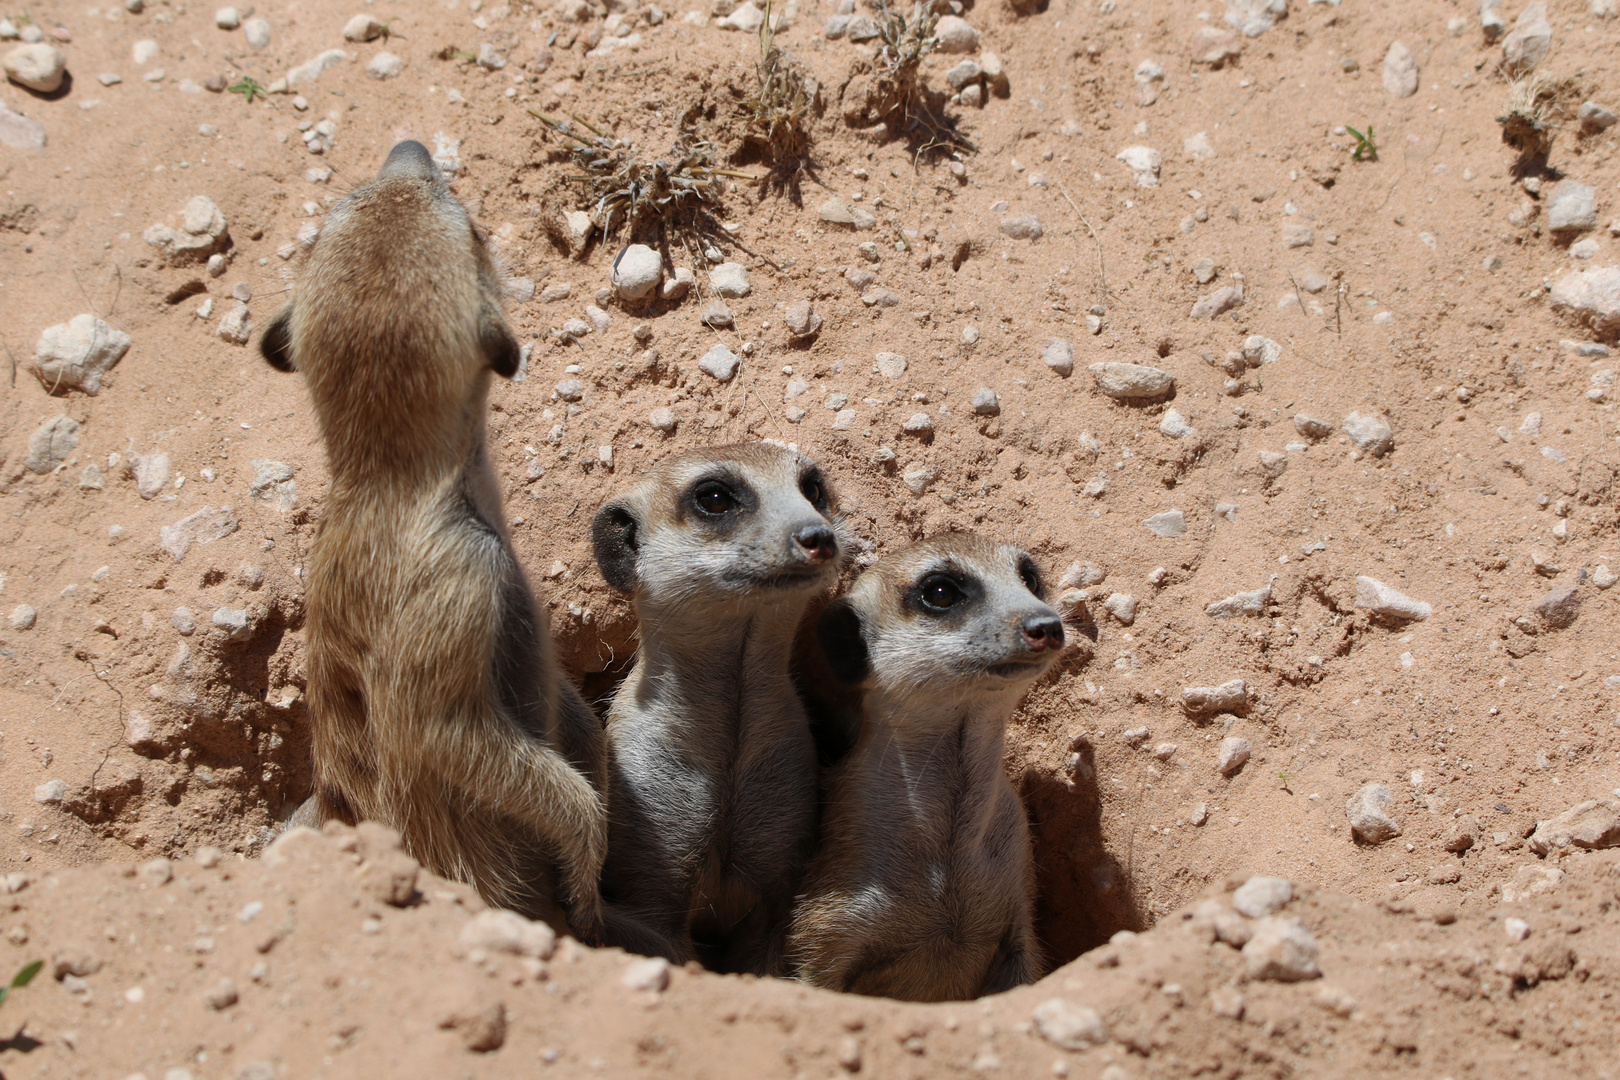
711	762
437	705
922	887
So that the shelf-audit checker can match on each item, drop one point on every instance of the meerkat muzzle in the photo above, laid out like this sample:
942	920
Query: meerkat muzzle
816	544
1042	633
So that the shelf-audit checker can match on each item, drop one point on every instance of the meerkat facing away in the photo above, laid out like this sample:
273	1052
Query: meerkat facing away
922	888
711	763
436	702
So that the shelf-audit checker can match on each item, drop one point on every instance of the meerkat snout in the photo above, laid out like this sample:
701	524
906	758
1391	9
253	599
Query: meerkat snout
1042	632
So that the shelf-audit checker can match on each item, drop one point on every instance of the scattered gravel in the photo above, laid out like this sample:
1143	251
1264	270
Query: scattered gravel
1168	524
1590	296
1059	356
1527	43
955	35
385	65
1262	896
19	132
203	231
1144	163
200	528
1312	428
1218	302
717	314
719	362
363	28
257	33
1368	811
1230	697
1558	608
235	622
312	69
236	325
889	365
1281	950
1234	754
662	419
75	355
1259	350
1463	835
151	472
1132	382
986	403
1213	46
1374	596
23	617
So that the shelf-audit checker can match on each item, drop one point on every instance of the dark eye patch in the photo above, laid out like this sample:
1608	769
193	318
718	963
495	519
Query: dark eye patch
814	489
943	592
1031	575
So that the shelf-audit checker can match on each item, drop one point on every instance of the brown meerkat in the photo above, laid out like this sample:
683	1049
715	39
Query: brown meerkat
437	705
922	887
711	762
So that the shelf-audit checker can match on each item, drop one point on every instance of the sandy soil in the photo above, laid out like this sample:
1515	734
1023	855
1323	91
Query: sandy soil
129	732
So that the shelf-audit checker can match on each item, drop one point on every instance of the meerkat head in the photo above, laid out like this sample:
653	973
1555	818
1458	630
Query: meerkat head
956	614
398	301
745	522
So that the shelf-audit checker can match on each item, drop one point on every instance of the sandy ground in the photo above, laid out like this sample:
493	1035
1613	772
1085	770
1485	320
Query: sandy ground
1417	289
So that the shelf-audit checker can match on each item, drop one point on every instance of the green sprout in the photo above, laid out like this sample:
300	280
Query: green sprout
20	980
1366	149
249	88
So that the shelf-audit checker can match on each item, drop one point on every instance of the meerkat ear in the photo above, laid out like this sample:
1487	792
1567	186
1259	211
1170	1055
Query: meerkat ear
500	347
839	631
275	345
613	535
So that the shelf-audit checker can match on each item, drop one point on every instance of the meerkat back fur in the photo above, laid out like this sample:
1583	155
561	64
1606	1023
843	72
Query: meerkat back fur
922	888
437	705
711	761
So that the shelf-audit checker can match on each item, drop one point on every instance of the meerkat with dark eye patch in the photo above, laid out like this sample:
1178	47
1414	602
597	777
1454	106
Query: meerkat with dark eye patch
436	702
922	887
711	763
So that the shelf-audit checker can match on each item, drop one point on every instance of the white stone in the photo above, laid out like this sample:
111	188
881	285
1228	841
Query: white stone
1132	381
746	18
235	622
1589	826
1591	296
955	35
363	28
227	18
311	70
801	320
1069	1026
75	355
1218	302
51	792
1527	43
662	419
678	285
385	65
1144	162
497	931
257	32
1259	350
1122	606
1370	433
1197	147
1261	896
1311	427
1231	696
890	365
652	972
38	67
917	478
1241	604
1380	599
918	424
719	362
1368	812
637	272
1400	71
201	528
1572	207
730	280
1281	950
236	325
19	132
1251	18
1233	755
986	403
1169	524
1024	227
1173	424
1058	354
51	444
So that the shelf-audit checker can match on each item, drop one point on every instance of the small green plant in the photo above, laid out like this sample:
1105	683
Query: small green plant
249	88
1366	149
20	980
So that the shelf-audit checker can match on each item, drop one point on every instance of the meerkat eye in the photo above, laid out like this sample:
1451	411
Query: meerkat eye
1031	577
938	592
712	498
814	491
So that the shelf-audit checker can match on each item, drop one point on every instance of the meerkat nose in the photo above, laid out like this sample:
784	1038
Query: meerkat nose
1042	632
817	542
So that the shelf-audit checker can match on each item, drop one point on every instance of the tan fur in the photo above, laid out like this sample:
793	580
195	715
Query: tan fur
714	770
923	885
437	705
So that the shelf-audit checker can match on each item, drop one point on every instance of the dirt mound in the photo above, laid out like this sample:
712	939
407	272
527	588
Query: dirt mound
1355	449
